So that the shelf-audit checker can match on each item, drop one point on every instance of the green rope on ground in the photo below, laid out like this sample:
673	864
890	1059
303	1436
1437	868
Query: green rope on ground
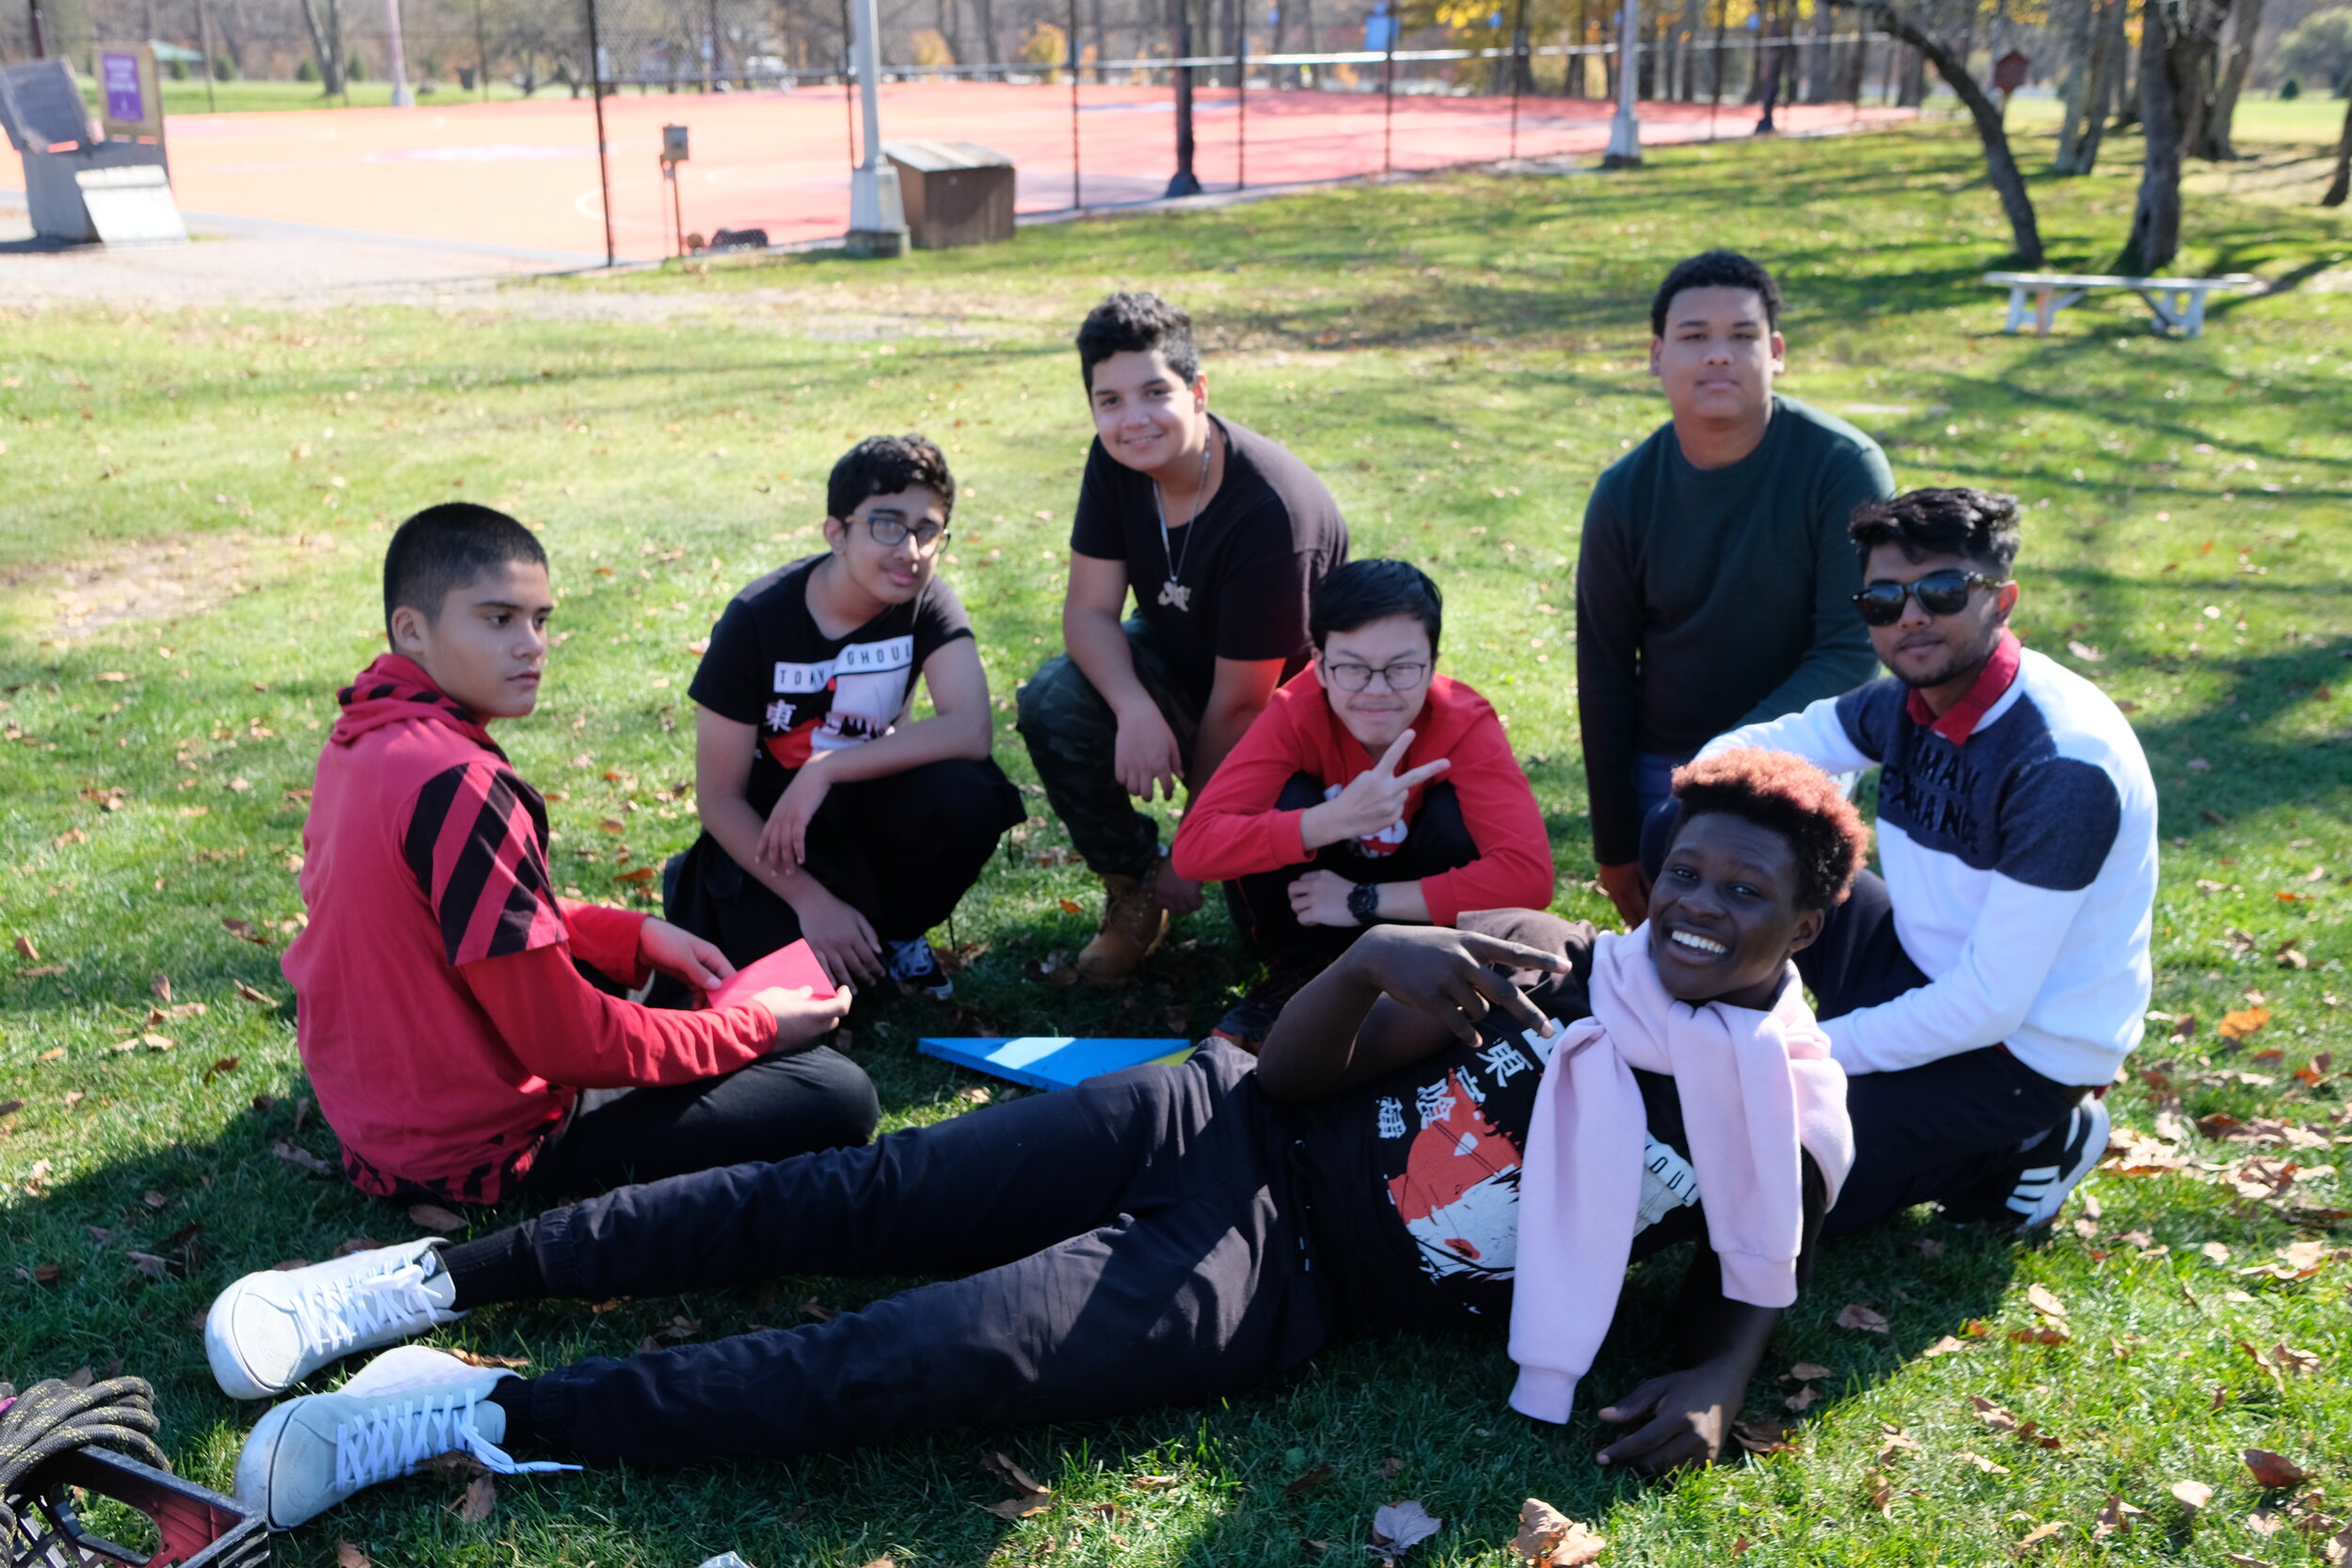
51	1418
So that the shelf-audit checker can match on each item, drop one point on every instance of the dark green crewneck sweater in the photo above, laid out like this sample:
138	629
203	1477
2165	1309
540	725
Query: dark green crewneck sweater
1707	598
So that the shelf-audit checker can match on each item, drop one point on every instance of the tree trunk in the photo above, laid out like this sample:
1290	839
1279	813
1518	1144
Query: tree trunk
2108	46
2080	25
990	52
1999	163
2177	43
2229	79
2341	186
327	43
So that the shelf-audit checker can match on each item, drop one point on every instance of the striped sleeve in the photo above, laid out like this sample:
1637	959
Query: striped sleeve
477	845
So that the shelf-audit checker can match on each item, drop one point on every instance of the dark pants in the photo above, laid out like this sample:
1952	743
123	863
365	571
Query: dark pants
901	850
1934	1133
1072	737
770	1109
1437	840
1128	1243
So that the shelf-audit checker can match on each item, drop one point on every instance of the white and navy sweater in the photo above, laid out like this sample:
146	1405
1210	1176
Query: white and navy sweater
2017	834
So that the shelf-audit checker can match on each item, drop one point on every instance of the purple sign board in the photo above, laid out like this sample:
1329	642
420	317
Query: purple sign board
118	78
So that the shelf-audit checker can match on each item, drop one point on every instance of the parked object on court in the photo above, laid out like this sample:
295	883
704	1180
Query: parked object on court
83	188
956	193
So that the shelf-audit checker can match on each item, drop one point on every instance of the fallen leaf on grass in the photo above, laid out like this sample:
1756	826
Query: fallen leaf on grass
2241	1560
44	1273
1306	1483
226	1064
1896	1441
1392	1467
246	931
254	994
1929	1248
25	949
1765	1437
2296	1363
2045	1336
56	1053
475	1358
1153	1483
2274	1470
1033	1497
2242	1025
432	1216
817	1312
480	1501
150	1265
300	1158
2036	1535
1879	1489
1988	1466
2191	1494
1804	1398
2042	1301
2116	1518
37	1179
1994	1416
2266	1521
1855	1316
73	1098
1946	1346
349	1555
1398	1528
1807	1371
1550	1539
81	1377
1070	906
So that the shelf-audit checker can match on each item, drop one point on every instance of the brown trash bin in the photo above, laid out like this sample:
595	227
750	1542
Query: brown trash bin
955	192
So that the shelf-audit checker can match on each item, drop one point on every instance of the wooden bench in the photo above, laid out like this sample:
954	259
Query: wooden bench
2178	302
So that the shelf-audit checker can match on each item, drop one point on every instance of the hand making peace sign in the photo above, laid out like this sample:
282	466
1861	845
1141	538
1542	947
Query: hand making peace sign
1373	801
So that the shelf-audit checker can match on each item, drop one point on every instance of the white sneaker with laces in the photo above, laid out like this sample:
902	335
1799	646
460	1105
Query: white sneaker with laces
399	1410
269	1331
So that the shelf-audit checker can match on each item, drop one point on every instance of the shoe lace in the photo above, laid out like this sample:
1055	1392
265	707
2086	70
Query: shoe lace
391	1439
910	958
337	1314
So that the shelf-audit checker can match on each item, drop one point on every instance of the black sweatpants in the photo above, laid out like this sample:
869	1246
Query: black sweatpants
1933	1134
1437	840
1129	1243
901	850
769	1109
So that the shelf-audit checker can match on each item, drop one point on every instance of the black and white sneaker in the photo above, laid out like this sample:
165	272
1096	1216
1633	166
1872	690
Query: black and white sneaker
2053	1165
917	969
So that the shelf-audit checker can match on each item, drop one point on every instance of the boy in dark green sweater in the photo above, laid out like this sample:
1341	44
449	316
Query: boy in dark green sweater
1715	583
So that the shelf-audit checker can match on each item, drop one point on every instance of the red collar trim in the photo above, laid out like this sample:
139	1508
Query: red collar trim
1960	721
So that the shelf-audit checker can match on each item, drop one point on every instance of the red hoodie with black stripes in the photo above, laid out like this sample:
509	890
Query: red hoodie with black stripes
444	1028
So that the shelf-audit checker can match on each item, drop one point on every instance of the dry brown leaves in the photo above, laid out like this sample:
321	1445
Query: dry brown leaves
1766	1436
432	1216
1032	1497
348	1555
1854	1315
1550	1539
476	1359
300	1158
1398	1528
2115	1518
676	1331
480	1501
2274	1470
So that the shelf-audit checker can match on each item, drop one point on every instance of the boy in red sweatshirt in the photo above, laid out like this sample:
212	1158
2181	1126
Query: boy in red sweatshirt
454	1047
1372	789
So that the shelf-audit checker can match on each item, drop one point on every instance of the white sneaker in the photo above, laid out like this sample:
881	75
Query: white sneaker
269	1331
2040	1188
404	1407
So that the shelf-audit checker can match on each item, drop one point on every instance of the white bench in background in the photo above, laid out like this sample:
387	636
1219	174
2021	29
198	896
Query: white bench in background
2178	302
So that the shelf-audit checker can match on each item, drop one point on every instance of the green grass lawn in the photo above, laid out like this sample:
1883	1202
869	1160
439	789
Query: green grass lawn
198	502
190	97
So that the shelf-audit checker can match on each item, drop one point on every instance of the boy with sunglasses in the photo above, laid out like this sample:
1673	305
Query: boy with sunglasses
1370	790
1713	579
1984	994
826	814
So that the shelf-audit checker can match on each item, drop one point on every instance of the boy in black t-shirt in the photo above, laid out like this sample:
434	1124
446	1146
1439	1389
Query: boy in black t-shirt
826	814
1175	1234
1222	535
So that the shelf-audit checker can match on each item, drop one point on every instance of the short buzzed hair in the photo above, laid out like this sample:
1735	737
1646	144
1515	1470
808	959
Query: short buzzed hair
1716	269
443	548
886	465
1975	525
1137	324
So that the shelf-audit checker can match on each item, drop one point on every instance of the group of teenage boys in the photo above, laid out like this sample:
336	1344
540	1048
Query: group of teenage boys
1440	1105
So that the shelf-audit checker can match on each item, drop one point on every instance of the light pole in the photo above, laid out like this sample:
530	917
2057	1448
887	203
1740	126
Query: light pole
878	219
1625	131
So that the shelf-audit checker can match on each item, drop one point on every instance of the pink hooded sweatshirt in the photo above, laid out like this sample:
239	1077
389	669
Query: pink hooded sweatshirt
1757	1088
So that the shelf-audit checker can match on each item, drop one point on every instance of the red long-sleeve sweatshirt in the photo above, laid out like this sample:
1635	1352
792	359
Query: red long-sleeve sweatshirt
1233	830
444	1028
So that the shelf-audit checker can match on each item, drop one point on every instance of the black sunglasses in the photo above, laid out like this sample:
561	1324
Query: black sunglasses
1943	593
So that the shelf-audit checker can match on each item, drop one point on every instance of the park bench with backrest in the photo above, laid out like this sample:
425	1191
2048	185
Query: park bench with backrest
2178	302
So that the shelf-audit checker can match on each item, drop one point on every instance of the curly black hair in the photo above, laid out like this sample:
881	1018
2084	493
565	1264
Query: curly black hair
1975	525
1716	269
1789	796
885	465
1137	322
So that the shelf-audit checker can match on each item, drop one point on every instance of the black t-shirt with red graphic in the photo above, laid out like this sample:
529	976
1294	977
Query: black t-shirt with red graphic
770	666
1414	1179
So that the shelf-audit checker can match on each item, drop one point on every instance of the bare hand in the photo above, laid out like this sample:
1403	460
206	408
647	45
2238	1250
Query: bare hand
1686	1416
1178	896
842	940
1628	887
682	956
784	842
1373	800
1445	974
802	1015
1319	898
1147	755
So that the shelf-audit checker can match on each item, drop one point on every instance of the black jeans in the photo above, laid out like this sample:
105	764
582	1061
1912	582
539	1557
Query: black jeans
770	1109
1129	1243
1437	840
1933	1134
1072	737
901	850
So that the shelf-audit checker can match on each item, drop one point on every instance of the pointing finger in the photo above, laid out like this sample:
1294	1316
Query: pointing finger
1425	773
1394	755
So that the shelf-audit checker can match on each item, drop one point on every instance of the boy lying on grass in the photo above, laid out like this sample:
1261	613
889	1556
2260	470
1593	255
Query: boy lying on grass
1171	1233
454	1046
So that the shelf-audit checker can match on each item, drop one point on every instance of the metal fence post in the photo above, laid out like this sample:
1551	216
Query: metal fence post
1519	70
1241	95
1388	102
1184	183
1077	197
604	158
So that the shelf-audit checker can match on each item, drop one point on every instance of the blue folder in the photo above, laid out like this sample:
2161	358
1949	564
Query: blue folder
1052	1061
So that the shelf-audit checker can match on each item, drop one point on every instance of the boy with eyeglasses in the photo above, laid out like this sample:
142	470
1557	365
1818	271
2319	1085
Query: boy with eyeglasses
829	813
1985	992
1713	582
1370	790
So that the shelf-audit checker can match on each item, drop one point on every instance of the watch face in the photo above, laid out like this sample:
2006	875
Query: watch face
1364	902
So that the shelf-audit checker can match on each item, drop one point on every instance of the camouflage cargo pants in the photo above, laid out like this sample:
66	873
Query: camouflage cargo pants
1072	738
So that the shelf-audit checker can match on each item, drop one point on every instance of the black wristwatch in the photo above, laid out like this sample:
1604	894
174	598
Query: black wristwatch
1363	902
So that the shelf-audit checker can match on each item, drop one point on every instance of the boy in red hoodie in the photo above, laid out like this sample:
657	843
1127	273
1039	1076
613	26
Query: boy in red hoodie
454	1047
1372	789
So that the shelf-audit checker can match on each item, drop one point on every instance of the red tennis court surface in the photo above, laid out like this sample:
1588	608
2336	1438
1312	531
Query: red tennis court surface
524	175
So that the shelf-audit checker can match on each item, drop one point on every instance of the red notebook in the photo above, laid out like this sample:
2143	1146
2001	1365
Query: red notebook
792	968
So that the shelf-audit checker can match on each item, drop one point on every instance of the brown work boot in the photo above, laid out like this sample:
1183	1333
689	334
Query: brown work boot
1132	924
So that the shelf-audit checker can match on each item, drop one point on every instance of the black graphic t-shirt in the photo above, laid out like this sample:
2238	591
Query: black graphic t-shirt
1414	1179
769	665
